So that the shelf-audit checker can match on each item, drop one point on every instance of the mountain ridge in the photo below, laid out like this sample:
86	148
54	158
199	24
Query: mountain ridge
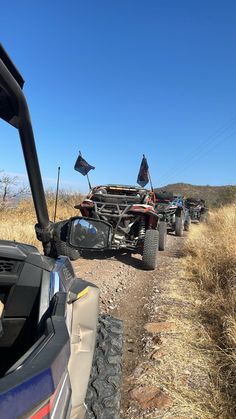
214	196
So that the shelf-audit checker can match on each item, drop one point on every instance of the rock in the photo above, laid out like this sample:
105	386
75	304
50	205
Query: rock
159	327
156	290
138	371
149	397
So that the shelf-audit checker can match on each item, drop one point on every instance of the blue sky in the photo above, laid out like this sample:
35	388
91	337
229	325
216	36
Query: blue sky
119	78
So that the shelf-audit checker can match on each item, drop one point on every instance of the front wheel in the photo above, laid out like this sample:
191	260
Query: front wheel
104	389
150	249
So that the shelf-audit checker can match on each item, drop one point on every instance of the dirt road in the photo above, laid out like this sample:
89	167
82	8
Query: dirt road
130	293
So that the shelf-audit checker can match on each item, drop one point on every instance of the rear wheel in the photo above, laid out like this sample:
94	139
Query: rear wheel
187	223
179	226
162	228
103	395
203	217
150	249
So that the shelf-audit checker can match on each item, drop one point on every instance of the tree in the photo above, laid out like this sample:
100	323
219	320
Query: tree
10	189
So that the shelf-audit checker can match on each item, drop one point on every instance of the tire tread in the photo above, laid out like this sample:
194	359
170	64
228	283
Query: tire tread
103	395
150	249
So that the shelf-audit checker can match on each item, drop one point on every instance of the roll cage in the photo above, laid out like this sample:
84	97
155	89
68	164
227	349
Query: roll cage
14	110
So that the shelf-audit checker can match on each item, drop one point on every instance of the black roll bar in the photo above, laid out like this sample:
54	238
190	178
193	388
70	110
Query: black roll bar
14	109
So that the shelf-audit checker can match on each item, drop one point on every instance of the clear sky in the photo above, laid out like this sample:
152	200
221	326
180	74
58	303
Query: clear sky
119	78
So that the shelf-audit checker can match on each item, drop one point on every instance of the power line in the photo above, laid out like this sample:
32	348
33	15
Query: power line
204	144
196	157
201	147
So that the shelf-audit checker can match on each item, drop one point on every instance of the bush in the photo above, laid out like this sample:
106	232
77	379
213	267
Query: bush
17	222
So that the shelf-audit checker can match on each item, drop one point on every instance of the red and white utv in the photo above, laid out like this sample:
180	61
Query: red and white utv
129	210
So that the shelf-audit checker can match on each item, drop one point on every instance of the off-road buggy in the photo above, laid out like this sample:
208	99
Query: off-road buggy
196	209
48	317
129	211
171	212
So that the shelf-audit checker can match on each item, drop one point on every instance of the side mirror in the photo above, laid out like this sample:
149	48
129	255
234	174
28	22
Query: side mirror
88	233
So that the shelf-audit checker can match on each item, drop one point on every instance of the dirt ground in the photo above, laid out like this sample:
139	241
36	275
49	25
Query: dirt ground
131	294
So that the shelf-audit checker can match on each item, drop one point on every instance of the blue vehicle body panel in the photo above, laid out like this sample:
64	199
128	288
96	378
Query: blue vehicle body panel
40	373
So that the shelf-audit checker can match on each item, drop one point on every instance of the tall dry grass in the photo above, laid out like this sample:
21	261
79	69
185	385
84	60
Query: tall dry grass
17	223
211	262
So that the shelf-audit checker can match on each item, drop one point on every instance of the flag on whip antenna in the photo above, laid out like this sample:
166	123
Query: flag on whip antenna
143	177
82	166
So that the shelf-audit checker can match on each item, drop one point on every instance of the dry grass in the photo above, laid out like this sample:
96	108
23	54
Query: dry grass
211	261
195	361
18	223
182	360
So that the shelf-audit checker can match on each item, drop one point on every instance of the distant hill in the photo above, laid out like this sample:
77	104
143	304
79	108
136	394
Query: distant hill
214	196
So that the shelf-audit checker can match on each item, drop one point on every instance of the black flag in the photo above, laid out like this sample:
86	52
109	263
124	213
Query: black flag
82	166
143	178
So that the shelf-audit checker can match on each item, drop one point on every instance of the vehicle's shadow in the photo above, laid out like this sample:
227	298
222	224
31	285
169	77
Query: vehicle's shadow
122	256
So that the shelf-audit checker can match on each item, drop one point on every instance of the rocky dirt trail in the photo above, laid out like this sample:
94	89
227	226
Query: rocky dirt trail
144	301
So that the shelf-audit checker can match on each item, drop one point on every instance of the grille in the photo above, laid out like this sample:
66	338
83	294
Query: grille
7	265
